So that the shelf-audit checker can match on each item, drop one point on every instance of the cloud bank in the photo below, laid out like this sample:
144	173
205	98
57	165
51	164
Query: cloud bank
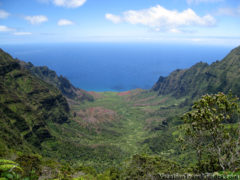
3	14
161	19
22	33
5	29
64	22
69	3
115	19
229	11
36	19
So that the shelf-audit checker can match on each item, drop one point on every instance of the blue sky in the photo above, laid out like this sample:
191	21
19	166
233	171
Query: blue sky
167	21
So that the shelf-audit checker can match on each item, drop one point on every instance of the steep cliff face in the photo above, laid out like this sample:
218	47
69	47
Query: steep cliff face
27	104
203	78
60	82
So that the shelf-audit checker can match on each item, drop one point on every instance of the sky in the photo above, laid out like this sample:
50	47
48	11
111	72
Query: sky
167	21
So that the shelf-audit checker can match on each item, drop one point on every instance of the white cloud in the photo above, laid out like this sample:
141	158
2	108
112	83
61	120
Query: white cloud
113	18
22	33
69	3
64	22
36	19
174	30
3	14
202	1
162	19
229	11
5	29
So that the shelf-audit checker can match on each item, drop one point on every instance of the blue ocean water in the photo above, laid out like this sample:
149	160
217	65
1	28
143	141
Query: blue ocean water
115	66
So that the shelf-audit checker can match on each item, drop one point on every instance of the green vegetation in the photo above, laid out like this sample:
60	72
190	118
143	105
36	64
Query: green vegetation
60	82
215	143
9	170
27	104
220	76
52	130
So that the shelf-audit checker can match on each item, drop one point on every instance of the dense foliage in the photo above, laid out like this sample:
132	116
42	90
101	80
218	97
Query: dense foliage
27	104
50	132
220	76
60	82
215	142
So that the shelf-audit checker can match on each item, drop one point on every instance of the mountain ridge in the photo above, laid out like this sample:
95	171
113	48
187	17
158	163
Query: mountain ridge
60	82
112	128
27	105
202	78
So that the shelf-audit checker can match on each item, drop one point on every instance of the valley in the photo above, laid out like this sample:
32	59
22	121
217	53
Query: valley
48	121
131	124
121	124
119	90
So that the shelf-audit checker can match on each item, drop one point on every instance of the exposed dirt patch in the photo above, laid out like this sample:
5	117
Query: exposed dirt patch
124	93
95	94
96	115
131	93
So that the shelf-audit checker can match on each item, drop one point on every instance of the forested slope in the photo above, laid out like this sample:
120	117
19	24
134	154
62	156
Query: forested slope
202	78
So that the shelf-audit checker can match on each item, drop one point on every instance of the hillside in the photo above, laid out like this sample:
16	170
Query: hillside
203	78
43	113
99	133
60	82
27	104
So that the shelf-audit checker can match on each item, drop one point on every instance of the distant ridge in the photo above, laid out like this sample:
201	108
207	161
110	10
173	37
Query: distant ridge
27	105
202	78
62	83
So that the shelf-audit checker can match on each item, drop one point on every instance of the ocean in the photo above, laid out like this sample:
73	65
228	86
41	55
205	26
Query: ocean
115	66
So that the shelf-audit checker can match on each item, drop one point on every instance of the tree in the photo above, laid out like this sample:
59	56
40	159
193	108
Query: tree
142	167
9	170
209	133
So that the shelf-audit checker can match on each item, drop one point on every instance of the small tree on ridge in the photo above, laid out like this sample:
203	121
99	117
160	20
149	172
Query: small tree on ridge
208	132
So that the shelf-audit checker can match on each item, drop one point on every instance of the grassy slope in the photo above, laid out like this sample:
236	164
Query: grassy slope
60	82
116	126
220	76
126	124
26	105
102	133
